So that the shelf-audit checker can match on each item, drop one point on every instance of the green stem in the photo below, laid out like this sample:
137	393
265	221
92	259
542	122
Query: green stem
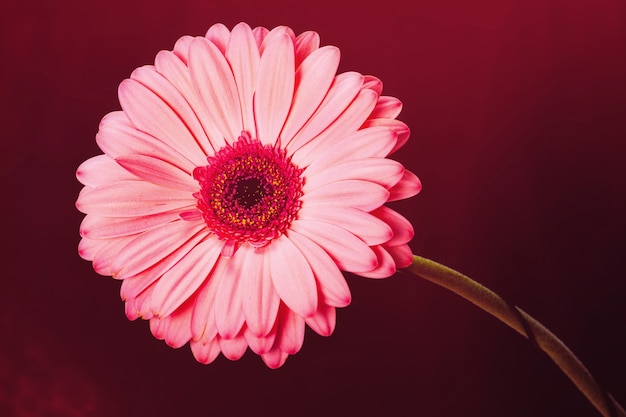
524	324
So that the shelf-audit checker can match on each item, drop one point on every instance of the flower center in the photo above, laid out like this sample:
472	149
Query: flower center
249	192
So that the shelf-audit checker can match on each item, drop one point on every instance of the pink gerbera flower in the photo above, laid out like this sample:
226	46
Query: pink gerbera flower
241	176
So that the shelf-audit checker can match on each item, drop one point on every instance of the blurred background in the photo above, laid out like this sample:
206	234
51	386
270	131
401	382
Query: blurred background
518	117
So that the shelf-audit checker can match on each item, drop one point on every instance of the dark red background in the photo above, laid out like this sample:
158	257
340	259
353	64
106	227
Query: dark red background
518	112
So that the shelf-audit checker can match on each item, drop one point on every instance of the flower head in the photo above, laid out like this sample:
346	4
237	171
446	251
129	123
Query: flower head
242	175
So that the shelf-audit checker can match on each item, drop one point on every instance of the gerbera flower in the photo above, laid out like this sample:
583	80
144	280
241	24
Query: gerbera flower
240	178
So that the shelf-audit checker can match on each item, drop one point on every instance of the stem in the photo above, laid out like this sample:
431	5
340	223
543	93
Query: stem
525	325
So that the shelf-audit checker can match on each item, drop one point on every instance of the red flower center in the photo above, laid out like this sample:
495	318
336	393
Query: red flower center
249	192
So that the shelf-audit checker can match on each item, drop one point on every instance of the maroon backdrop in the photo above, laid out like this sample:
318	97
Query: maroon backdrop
517	110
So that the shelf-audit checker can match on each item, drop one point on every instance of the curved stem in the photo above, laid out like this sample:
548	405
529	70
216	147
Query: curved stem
524	324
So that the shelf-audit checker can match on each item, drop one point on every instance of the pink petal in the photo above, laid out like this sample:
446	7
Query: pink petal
184	278
103	258
140	305
277	32
332	285
131	311
158	172
313	79
365	143
153	246
401	129
178	102
373	83
243	55
174	328
402	255
179	75
370	229
292	276
260	300
290	331
150	114
363	195
259	34
87	248
178	332
132	285
118	137
385	172
407	187
323	321
233	348
191	215
219	35
130	199
211	75
229	316
275	358
348	251
260	344
341	93
401	227
334	135
205	352
389	107
181	48
101	170
97	227
386	265
275	87
228	248
203	317
306	44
